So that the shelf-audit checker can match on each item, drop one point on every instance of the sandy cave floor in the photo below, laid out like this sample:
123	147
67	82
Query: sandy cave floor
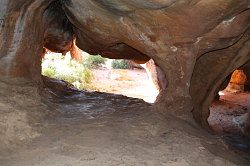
95	128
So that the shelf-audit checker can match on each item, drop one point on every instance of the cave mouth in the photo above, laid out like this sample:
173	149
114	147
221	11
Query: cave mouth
230	111
95	64
94	73
181	30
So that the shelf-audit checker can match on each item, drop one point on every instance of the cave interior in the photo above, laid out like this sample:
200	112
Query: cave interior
200	48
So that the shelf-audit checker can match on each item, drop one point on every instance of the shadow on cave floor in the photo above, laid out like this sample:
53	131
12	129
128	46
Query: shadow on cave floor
228	117
106	129
238	142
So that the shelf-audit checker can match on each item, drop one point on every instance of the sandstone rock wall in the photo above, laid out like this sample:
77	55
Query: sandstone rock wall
156	75
58	35
21	36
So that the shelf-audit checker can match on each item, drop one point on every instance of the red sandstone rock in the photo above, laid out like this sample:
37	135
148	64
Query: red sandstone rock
237	81
75	53
238	77
197	44
58	35
156	75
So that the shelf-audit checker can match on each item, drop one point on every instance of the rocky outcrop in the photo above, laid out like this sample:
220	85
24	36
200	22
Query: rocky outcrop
156	75
76	53
197	44
238	81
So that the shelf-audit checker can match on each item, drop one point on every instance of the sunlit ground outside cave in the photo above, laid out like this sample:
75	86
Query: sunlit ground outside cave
95	73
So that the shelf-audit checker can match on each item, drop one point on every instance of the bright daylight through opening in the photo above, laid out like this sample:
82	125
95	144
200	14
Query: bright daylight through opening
95	73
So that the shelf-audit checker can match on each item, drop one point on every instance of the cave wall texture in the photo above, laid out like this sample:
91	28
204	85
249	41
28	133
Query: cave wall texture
196	43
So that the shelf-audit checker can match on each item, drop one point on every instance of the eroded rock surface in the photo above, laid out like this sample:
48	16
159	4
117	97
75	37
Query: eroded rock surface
197	44
178	35
156	75
58	35
22	113
105	129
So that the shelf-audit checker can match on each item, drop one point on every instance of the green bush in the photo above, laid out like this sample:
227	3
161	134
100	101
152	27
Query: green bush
94	61
49	71
120	64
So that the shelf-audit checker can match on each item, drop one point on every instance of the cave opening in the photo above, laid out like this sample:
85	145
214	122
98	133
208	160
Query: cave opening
100	65
96	73
230	110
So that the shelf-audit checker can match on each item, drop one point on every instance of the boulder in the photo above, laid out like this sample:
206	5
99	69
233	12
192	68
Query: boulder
238	81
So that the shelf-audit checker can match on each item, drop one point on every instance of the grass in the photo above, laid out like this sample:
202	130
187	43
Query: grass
67	69
79	74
